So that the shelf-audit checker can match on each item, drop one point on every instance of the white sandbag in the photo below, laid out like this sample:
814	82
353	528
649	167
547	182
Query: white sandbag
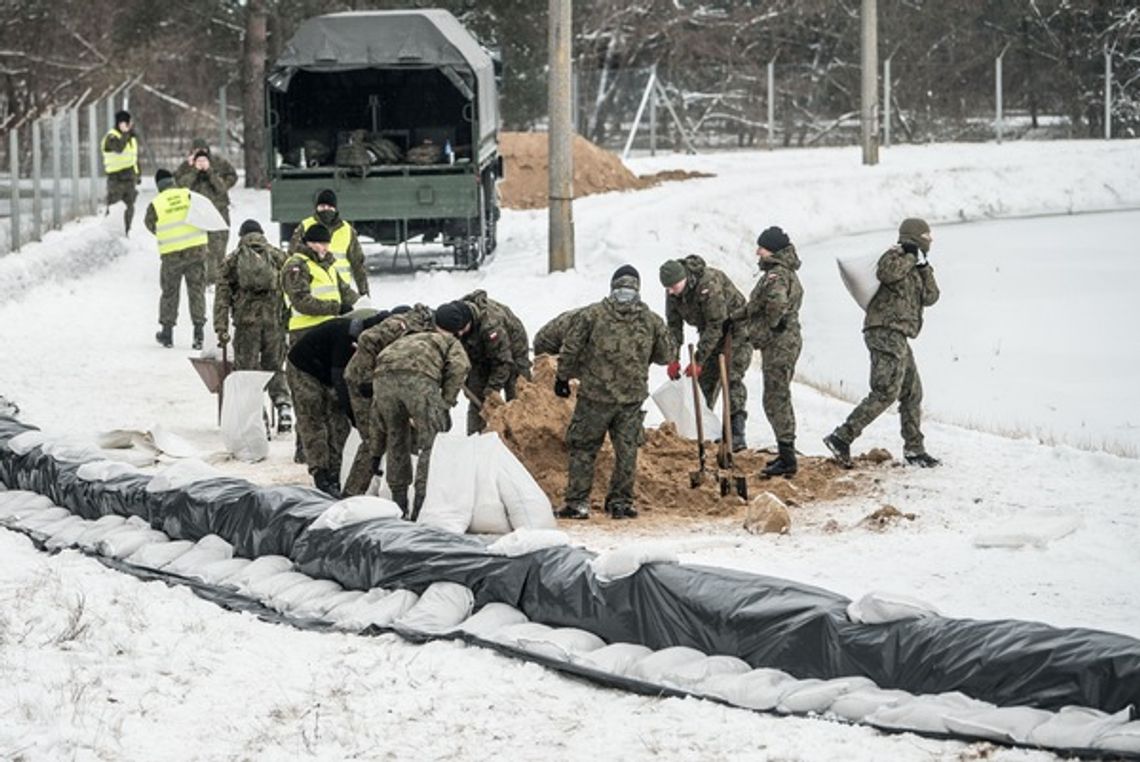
1077	727
860	274
65	532
157	555
488	516
692	674
70	450
353	510
675	399
527	505
218	573
348	453
1122	738
855	705
509	635
301	597
35	521
759	689
207	550
102	470
26	441
449	500
656	665
172	444
926	713
203	215
616	658
381	612
98	529
562	643
318	608
18	504
625	561
243	415
265	588
259	569
1036	529
492	618
346	610
817	696
879	607
127	439
181	473
442	607
126	540
1001	723
522	541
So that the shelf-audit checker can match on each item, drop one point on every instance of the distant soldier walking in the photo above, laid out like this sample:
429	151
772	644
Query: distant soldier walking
894	315
774	315
182	248
609	348
121	165
212	176
344	244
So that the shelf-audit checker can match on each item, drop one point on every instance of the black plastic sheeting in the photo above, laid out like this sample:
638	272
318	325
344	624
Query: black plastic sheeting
767	622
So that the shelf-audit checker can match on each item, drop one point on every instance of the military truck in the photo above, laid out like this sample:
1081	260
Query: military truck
398	112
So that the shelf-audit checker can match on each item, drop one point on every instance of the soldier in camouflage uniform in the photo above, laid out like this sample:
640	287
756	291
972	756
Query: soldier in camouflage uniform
548	340
417	382
906	287
248	289
345	245
774	315
121	165
497	345
315	293
609	348
358	378
212	176
182	248
704	297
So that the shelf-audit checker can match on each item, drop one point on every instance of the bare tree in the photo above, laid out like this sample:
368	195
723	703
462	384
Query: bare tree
253	92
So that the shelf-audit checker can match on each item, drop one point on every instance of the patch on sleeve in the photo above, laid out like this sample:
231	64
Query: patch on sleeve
493	336
773	276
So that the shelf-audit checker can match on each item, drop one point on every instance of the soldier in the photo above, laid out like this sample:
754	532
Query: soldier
248	288
315	293
358	375
609	348
497	345
704	297
344	244
906	287
548	340
121	165
182	248
774	315
212	176
417	382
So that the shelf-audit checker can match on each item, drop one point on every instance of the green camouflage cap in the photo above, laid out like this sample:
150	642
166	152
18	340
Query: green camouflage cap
672	271
915	230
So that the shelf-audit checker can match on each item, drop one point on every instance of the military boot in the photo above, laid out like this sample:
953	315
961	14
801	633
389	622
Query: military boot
840	449
165	337
400	498
922	459
199	336
737	421
284	418
578	510
785	464
417	503
327	483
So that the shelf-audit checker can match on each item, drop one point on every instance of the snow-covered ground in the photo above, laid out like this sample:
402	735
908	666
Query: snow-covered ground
1031	337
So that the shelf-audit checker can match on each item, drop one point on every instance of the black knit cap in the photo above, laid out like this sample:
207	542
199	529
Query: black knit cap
773	239
122	116
317	234
162	174
326	196
452	316
625	271
250	226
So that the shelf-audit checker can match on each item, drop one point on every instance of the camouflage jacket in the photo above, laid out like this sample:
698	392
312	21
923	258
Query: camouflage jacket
497	342
439	356
371	343
774	304
711	302
296	284
609	348
354	255
904	290
247	284
214	183
548	340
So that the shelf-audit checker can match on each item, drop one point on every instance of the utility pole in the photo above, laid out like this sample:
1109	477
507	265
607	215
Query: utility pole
561	252
870	96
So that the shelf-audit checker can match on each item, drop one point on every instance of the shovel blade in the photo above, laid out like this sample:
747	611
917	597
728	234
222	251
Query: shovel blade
741	484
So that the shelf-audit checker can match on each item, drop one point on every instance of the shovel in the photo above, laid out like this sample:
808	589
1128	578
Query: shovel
728	482
222	382
698	476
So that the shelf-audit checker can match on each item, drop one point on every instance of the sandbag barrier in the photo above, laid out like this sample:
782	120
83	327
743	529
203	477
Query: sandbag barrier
774	623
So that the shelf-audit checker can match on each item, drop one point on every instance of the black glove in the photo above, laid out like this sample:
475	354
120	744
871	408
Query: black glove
365	391
345	308
376	470
561	388
781	326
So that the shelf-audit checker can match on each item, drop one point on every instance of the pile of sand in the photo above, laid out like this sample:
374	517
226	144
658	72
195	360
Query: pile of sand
525	166
534	425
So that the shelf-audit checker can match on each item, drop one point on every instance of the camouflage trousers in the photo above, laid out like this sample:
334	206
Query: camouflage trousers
591	421
188	264
709	380
894	376
261	346
778	360
477	383
321	425
372	443
411	411
215	253
121	187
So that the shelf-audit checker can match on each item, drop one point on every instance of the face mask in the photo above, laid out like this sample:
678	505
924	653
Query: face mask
327	217
624	295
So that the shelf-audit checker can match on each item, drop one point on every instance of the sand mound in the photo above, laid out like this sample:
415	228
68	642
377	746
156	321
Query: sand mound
596	170
534	425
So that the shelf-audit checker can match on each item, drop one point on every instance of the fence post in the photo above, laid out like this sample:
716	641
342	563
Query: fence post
93	158
653	122
76	206
998	92
887	102
1107	94
14	156
771	102
56	175
37	177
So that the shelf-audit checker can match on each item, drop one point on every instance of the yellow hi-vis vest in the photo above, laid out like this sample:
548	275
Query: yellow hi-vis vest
323	284
341	240
128	158
173	234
